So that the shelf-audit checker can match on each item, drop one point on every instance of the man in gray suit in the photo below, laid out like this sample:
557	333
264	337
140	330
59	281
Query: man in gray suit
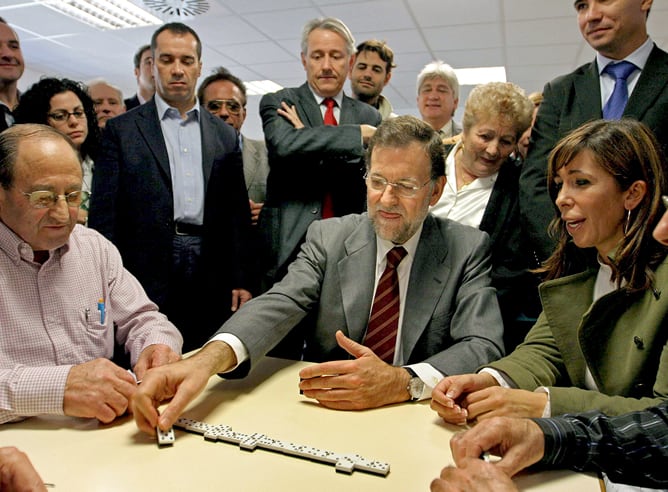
448	317
224	95
327	157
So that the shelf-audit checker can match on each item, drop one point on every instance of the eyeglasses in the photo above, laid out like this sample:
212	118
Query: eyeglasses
62	115
46	199
232	106
404	189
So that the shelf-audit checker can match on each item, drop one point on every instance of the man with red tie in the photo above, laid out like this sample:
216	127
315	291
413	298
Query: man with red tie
399	298
315	157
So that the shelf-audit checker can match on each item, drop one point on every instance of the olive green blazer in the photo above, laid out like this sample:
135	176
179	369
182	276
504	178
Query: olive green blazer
620	337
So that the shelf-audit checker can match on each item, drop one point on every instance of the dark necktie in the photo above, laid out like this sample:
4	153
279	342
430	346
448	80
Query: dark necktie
614	106
381	334
328	119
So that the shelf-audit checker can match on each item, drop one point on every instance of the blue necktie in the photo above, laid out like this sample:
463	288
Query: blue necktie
614	107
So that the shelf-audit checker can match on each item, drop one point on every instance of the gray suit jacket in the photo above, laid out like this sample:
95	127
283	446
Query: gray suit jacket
305	164
451	319
570	101
256	168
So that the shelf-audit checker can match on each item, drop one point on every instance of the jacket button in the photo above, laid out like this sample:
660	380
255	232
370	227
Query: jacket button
639	342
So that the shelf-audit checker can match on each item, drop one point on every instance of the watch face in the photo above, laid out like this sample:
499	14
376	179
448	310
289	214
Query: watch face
416	386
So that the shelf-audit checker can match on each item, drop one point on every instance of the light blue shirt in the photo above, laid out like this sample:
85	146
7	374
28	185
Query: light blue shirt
183	139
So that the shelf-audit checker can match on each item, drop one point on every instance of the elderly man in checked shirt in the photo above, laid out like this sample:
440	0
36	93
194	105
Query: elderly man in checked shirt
62	289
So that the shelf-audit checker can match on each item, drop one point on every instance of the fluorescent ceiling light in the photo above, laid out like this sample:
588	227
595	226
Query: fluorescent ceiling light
261	87
104	14
482	75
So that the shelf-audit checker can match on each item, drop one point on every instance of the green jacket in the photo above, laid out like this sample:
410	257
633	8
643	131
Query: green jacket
621	338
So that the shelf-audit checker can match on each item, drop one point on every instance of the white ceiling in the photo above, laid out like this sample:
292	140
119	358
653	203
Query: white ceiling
536	40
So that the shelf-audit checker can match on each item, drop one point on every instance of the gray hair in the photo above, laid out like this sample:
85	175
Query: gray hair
95	82
329	24
439	69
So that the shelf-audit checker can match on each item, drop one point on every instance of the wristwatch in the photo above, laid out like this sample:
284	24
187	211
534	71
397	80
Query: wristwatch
415	385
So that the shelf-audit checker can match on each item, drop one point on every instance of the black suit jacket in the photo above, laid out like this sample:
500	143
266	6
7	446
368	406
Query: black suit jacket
569	101
304	165
131	102
132	205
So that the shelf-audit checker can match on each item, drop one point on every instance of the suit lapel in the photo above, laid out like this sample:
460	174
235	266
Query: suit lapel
309	106
348	113
248	155
207	130
652	82
148	125
359	263
429	275
588	95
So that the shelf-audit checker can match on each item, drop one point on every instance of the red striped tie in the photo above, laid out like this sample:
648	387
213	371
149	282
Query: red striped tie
381	334
328	119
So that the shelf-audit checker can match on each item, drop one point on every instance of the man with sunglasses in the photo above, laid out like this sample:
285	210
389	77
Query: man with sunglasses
224	95
65	297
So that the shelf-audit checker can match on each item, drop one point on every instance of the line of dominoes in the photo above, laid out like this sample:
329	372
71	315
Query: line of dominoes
345	463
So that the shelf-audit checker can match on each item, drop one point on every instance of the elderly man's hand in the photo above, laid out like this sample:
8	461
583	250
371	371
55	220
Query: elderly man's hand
98	389
154	356
475	475
17	473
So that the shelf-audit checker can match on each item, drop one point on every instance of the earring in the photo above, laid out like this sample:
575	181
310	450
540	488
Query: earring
628	222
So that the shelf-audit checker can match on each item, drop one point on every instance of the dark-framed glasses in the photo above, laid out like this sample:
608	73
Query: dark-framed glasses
231	105
404	188
62	115
46	199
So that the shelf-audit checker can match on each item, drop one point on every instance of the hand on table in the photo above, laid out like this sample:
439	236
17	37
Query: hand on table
504	402
17	473
475	475
98	389
448	398
179	382
519	442
365	382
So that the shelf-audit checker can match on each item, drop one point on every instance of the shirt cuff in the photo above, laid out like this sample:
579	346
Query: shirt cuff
547	411
40	390
235	344
429	376
503	382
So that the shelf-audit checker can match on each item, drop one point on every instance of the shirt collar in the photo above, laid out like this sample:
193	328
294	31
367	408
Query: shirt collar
319	99
638	57
165	110
383	245
17	249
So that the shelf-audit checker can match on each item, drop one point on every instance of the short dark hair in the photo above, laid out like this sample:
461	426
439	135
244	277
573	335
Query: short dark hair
402	131
221	73
178	28
9	144
35	103
381	48
139	53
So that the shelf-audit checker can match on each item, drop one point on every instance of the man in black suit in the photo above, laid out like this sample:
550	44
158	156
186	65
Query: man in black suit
617	31
315	168
143	62
169	192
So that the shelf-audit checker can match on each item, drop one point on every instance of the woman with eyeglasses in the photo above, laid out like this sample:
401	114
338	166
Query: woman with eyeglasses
65	105
482	191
